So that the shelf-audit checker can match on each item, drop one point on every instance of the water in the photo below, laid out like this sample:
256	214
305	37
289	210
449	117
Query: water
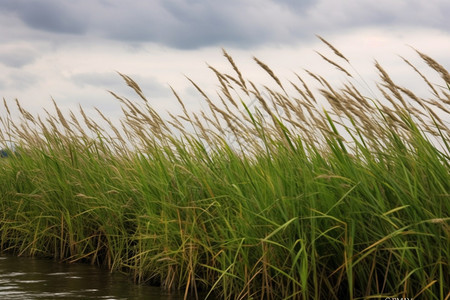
31	278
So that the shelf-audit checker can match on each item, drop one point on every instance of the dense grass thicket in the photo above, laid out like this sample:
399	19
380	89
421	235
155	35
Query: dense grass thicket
304	203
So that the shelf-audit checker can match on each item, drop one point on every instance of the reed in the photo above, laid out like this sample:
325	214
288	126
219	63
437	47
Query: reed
279	199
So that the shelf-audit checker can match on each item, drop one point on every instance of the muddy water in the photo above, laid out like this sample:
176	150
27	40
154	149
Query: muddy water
31	278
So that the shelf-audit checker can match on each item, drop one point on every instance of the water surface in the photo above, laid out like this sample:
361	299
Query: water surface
33	278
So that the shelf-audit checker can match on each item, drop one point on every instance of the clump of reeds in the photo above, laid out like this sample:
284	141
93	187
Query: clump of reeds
278	199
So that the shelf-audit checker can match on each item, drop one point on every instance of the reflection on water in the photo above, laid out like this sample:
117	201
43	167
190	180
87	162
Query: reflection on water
31	278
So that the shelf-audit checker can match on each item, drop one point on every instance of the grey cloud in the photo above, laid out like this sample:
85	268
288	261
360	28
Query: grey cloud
184	24
190	24
48	15
17	57
343	14
296	5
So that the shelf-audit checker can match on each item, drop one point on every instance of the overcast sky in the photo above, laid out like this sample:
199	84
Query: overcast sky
71	50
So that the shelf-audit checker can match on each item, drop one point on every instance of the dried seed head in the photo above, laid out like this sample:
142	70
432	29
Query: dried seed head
336	51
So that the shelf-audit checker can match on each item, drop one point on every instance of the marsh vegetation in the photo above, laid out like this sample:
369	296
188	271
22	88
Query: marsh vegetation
278	200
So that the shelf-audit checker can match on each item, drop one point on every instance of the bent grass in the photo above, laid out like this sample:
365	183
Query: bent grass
350	202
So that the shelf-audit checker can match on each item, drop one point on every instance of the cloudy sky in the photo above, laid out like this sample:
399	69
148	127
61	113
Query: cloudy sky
72	50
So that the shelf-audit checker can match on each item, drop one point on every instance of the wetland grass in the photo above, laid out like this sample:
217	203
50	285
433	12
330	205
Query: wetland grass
351	202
